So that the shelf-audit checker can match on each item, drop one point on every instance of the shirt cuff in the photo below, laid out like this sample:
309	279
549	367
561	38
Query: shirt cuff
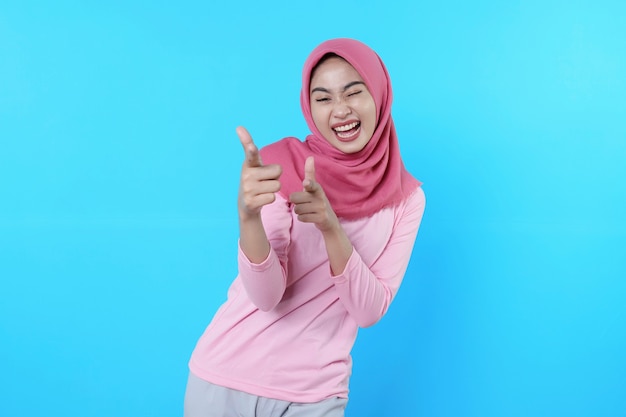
260	267
353	264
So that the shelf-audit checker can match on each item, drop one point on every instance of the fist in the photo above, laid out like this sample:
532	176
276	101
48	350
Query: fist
259	182
311	204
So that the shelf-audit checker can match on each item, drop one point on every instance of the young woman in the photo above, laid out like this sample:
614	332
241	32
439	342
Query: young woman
327	227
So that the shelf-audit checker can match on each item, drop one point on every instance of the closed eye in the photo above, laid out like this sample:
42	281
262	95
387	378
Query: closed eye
354	93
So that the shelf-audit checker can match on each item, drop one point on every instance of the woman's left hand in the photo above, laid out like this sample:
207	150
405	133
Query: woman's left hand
311	204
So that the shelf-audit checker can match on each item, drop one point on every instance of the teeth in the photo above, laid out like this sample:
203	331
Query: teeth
345	128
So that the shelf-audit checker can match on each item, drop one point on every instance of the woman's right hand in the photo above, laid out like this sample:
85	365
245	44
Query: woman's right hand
258	183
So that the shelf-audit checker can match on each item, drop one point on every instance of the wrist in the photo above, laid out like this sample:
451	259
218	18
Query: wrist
331	228
332	231
249	217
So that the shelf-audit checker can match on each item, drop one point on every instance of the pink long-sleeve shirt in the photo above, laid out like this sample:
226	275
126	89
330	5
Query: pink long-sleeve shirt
288	325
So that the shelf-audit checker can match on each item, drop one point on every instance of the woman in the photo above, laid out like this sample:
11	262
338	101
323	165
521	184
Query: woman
327	227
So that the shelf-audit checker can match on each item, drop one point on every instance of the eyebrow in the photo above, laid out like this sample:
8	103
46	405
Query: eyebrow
350	84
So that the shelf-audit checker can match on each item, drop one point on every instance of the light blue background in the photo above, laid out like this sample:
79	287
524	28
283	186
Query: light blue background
119	169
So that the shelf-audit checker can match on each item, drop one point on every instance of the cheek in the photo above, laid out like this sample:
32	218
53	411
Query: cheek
371	116
318	118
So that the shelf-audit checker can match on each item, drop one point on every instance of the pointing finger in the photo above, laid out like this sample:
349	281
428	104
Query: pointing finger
309	182
253	158
309	169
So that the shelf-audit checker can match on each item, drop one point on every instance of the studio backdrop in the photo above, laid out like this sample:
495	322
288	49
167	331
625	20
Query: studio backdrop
119	168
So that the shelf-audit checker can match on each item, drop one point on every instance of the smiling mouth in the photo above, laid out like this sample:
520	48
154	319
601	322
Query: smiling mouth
348	132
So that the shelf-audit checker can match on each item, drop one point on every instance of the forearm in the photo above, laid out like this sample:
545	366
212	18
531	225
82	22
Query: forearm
263	245
338	247
362	293
252	238
367	289
264	282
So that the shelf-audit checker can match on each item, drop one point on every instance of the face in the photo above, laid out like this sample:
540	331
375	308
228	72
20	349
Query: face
341	105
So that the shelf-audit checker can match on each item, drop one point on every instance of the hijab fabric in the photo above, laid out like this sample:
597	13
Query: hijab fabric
359	184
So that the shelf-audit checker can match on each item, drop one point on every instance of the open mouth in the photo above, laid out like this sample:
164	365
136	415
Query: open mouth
347	132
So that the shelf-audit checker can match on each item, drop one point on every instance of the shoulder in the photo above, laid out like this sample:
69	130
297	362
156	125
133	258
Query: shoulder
283	144
286	149
417	198
412	208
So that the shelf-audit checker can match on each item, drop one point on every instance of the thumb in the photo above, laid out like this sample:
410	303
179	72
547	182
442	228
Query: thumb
309	182
253	158
309	169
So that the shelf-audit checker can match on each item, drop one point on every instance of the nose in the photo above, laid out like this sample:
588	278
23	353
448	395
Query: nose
341	110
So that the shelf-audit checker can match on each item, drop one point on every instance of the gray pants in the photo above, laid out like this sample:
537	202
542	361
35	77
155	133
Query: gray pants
203	399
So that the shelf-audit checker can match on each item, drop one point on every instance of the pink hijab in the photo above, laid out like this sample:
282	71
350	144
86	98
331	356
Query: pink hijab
358	184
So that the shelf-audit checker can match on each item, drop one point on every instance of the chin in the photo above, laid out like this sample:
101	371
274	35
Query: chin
351	148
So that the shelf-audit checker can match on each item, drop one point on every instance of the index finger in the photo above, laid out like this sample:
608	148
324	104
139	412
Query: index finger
309	168
253	158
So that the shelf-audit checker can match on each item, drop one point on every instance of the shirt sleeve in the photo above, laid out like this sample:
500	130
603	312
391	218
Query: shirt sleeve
367	292
265	282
